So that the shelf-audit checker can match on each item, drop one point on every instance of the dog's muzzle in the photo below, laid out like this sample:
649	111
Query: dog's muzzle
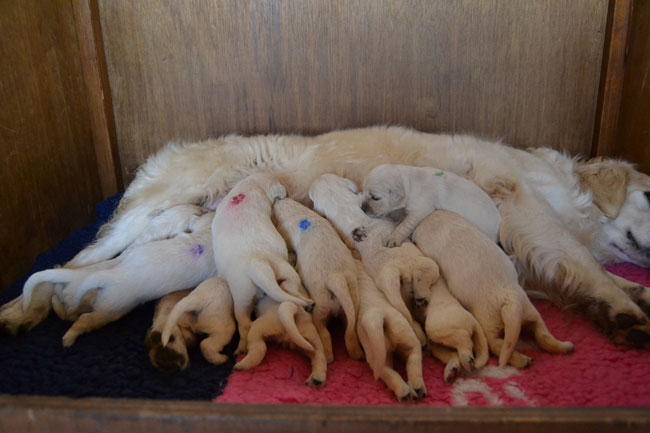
365	208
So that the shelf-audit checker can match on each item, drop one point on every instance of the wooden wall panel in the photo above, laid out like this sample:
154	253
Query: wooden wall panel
524	70
633	132
47	164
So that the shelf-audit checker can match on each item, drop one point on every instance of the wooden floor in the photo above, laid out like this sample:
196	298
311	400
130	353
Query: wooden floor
35	414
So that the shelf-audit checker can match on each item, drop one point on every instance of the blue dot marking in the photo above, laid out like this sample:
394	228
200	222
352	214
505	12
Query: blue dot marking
304	225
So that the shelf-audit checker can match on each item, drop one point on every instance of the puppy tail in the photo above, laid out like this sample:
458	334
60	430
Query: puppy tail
286	313
511	314
188	303
481	348
55	276
94	281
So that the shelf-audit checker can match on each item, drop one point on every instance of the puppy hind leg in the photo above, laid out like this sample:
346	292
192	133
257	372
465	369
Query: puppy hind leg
317	356
543	336
243	317
517	360
321	315
481	348
512	315
449	358
212	346
401	337
88	322
263	276
339	285
14	319
262	328
290	280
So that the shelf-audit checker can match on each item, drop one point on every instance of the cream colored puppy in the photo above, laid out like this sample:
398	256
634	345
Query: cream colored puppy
448	324
326	267
211	305
421	190
251	254
173	357
140	274
383	332
484	280
287	324
338	200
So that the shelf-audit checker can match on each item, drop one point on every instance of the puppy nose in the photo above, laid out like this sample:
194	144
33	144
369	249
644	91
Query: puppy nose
422	302
365	207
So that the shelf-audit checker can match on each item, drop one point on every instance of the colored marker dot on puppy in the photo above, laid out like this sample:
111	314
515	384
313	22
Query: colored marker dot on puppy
197	250
237	199
440	173
304	225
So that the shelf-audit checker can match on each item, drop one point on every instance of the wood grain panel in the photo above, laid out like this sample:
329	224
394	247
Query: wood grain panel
47	165
524	70
633	134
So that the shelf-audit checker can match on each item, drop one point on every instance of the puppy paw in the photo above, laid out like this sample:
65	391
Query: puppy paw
315	382
625	325
69	338
13	320
640	295
467	362
520	361
393	241
451	371
407	395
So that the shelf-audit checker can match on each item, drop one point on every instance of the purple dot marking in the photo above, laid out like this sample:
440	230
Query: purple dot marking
197	250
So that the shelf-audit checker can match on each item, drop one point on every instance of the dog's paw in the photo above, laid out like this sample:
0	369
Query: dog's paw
627	325
520	361
315	382
407	394
69	338
13	320
467	362
393	241
640	295
451	371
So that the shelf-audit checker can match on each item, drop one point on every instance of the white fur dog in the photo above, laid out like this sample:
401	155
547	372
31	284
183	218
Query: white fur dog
575	213
421	190
383	332
325	266
140	274
339	201
285	323
211	306
251	254
484	280
450	325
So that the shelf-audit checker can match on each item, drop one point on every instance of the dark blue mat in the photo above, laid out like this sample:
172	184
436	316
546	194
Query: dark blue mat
110	362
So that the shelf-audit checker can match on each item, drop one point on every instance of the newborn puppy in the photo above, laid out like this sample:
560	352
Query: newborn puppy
287	324
250	253
173	357
138	275
326	266
337	199
450	325
484	280
383	331
210	308
421	190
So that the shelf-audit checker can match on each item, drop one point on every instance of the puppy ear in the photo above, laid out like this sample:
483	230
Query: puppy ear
277	191
351	185
607	183
396	195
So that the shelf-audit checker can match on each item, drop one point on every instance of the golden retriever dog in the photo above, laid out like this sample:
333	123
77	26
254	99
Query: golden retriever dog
286	324
421	190
384	332
484	281
573	215
252	255
326	268
210	305
400	272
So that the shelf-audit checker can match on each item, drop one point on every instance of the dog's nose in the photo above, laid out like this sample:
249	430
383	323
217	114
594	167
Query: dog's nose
365	207
422	302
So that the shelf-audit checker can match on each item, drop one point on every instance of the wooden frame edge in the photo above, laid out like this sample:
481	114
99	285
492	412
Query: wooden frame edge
93	60
611	77
33	413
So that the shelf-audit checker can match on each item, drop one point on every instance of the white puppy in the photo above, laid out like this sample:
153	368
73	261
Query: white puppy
450	325
337	199
325	265
211	305
421	190
138	275
484	280
287	324
251	254
383	331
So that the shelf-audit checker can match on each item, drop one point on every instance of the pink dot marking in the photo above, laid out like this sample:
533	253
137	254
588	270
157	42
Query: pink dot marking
237	199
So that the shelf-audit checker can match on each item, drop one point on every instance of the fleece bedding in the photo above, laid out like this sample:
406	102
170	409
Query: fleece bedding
113	362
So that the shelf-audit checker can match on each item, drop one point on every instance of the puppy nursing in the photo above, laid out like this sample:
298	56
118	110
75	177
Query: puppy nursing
485	282
252	256
326	266
420	191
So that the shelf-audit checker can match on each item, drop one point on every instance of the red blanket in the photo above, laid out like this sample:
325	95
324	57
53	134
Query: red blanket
598	373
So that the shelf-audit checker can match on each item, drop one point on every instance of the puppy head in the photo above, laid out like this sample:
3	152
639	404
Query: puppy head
623	195
383	191
331	192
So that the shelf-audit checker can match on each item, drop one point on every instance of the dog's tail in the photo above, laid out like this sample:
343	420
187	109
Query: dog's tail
188	303
373	326
55	276
511	314
287	314
481	348
94	281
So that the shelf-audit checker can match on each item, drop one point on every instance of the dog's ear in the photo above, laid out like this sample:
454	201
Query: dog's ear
396	196
607	182
277	191
351	185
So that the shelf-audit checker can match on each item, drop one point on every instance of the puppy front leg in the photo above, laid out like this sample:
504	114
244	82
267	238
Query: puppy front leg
14	319
404	229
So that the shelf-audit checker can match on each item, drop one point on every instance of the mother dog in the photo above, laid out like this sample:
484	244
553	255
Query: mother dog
565	219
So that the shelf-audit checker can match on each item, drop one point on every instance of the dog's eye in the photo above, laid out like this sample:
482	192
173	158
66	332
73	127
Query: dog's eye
374	197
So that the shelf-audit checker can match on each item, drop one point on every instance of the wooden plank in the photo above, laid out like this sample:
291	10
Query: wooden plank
633	132
35	414
93	62
612	74
47	165
524	70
